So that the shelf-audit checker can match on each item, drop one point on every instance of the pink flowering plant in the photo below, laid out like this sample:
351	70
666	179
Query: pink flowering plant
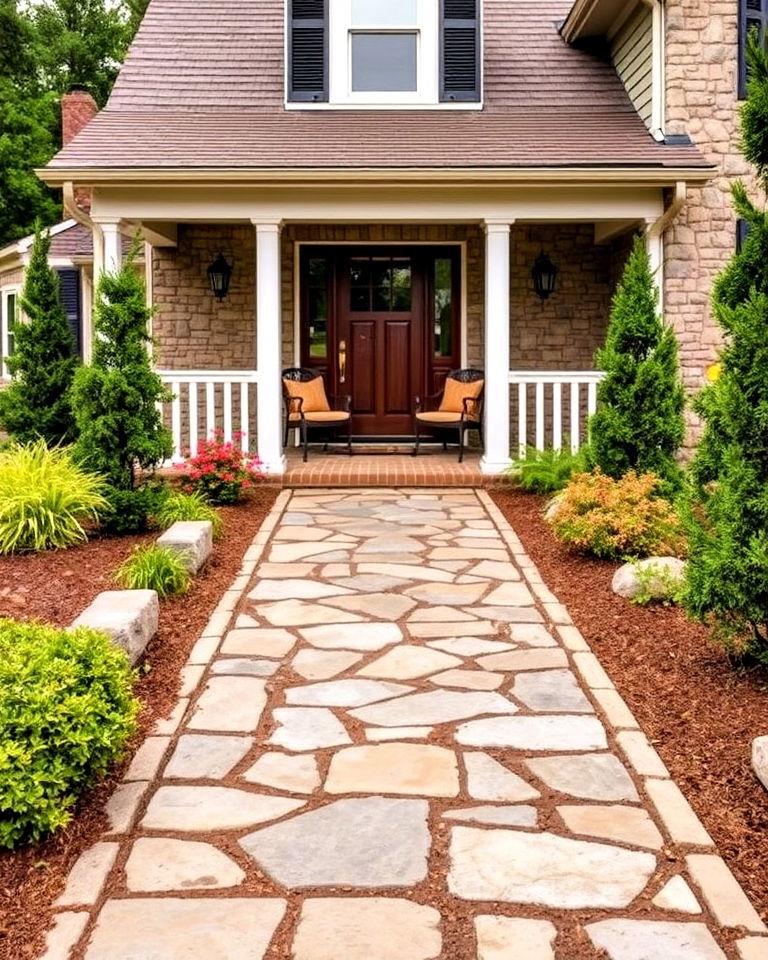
220	471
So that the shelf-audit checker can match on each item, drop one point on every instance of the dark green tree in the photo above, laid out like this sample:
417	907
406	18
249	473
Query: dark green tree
728	513
639	421
115	398
38	401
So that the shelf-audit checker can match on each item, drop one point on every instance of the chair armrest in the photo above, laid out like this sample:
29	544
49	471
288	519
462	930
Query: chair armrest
345	399
465	407
427	401
294	405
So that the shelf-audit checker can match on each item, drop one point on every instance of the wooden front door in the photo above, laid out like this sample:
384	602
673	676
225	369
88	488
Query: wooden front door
381	324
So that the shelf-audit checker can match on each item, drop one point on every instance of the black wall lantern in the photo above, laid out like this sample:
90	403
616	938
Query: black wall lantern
219	275
544	275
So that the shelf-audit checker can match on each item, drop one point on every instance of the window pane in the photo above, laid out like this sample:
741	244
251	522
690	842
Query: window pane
382	286
318	308
383	13
401	286
10	321
383	61
443	308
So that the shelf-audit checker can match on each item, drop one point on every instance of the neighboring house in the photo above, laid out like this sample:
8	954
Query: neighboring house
383	175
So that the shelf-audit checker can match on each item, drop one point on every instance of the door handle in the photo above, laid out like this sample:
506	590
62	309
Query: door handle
342	361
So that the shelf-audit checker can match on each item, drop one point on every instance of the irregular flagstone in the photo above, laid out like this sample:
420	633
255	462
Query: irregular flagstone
297	613
298	532
206	757
466	553
331	570
483	533
628	825
452	566
448	593
307	728
598	776
254	642
531	635
654	940
365	842
405	662
398	733
212	808
230	703
391	544
562	732
677	895
438	613
408	559
487	779
470	646
353	692
544	869
370	582
322	664
507	614
525	660
510	594
380	606
555	691
495	570
195	929
501	938
374	928
520	815
289	589
405	571
410	768
481	628
244	667
284	772
290	570
469	679
291	552
437	706
160	864
361	636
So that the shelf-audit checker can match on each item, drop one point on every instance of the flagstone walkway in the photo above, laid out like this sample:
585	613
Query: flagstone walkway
401	749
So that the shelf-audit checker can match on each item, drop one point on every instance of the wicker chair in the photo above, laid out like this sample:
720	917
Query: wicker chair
457	407
307	408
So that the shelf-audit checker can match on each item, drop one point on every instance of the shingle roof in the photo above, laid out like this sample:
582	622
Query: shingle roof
205	91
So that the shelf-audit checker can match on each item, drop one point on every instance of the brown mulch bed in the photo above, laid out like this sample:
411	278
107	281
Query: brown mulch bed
56	587
699	712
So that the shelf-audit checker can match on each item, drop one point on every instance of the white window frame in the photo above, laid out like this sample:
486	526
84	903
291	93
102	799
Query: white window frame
5	293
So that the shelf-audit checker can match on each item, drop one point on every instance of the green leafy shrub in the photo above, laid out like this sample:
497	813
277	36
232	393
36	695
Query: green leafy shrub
613	519
546	471
128	511
658	585
45	498
155	568
187	506
639	421
66	713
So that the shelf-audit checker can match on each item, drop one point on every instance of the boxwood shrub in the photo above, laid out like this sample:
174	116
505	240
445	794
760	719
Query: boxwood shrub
67	711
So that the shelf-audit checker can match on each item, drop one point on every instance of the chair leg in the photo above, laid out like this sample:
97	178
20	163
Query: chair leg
445	445
415	451
349	437
461	444
305	439
285	435
325	447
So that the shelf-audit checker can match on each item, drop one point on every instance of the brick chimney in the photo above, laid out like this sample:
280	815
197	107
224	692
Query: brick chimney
78	108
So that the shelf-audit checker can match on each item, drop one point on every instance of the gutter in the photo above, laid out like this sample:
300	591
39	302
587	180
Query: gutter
660	226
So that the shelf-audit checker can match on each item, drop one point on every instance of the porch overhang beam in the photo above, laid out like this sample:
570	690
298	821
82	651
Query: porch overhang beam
157	234
608	230
310	178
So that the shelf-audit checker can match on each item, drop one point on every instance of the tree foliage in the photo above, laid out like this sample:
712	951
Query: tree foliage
728	513
38	401
639	420
116	397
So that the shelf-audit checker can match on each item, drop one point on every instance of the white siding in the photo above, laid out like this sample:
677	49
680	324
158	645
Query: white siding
632	52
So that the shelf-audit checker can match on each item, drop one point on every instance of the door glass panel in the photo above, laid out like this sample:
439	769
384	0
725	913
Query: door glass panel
384	13
318	308
443	307
380	284
360	284
401	286
383	61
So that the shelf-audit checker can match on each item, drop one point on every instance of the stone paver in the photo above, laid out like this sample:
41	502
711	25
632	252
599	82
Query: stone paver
390	741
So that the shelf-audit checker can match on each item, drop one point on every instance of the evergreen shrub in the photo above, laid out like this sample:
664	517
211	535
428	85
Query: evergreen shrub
67	711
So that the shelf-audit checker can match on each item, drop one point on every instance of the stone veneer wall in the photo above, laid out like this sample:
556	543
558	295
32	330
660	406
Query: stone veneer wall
192	330
701	68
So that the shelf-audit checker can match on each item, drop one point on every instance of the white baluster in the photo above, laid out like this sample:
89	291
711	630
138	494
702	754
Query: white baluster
227	410
210	408
522	419
575	418
193	425
176	418
557	416
244	417
539	415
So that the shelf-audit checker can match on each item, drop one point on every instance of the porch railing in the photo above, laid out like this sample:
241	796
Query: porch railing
551	407
205	401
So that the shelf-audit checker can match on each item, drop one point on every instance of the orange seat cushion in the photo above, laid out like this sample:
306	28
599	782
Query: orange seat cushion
455	393
438	417
312	393
323	416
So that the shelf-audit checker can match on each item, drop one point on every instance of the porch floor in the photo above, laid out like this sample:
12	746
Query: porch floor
383	466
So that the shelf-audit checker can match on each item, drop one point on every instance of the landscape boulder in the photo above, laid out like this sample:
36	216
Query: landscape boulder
192	540
129	617
658	577
760	759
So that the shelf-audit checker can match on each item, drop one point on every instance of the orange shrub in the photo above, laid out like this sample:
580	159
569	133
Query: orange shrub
613	519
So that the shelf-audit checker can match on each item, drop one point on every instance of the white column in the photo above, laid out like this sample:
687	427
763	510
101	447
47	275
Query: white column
112	244
268	347
497	268
654	244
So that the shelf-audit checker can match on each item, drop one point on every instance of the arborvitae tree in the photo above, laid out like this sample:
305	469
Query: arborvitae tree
115	398
38	402
639	421
728	514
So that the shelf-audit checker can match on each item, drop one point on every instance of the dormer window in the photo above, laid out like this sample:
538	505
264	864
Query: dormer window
383	53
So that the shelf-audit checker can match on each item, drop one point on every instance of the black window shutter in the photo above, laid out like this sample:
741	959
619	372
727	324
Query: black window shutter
308	50
69	289
753	16
460	50
742	232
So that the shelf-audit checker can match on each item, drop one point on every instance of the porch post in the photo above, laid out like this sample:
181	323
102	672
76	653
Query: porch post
268	347
654	244
497	267
111	253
